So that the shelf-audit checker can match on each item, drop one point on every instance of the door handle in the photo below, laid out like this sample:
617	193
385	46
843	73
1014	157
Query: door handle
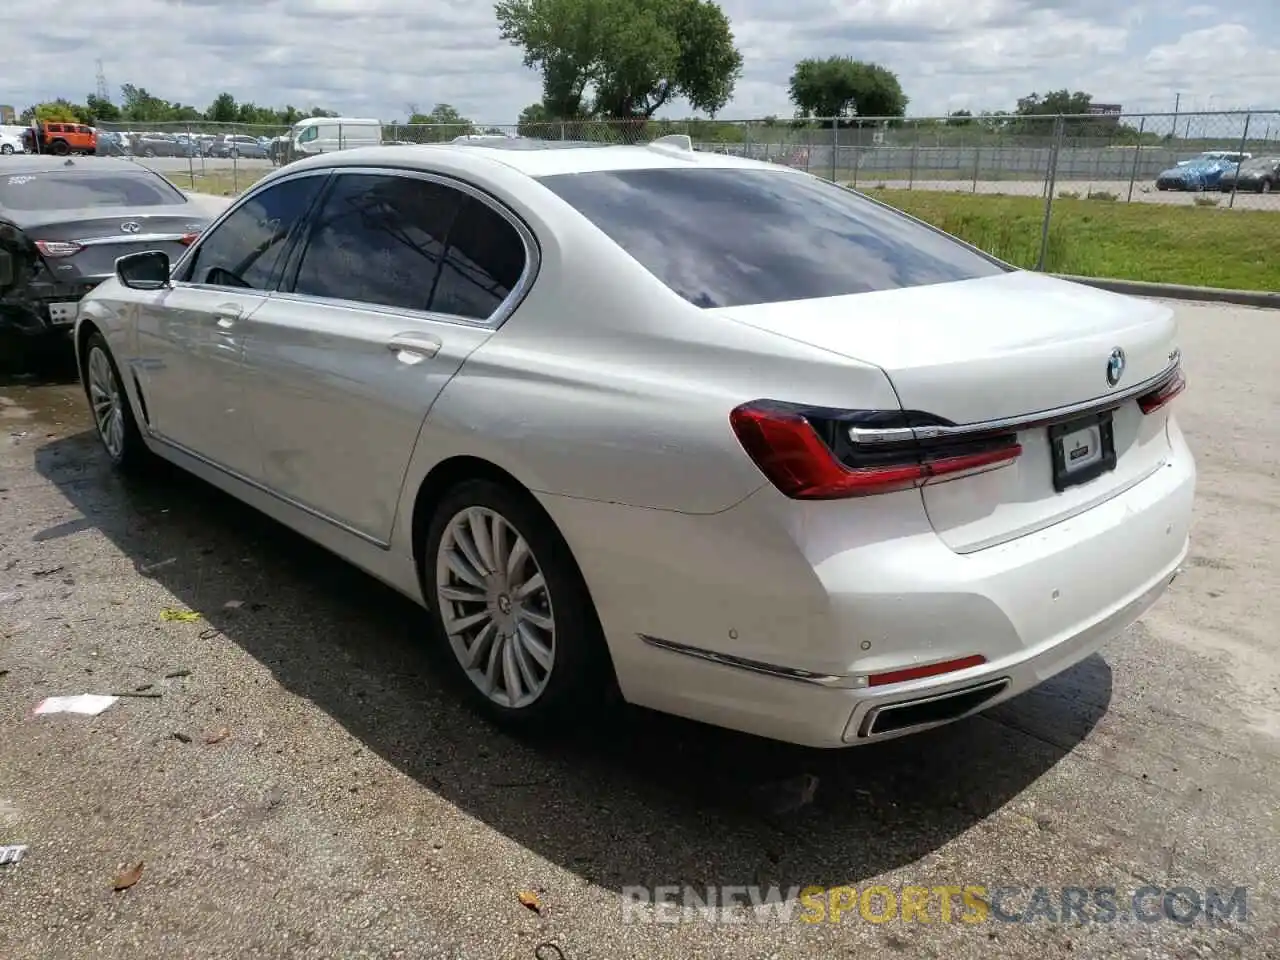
413	348
226	315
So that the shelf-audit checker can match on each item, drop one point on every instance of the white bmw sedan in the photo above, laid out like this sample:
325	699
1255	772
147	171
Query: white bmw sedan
764	451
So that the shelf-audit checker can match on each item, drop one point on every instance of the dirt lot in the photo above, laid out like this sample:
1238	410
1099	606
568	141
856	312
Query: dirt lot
307	783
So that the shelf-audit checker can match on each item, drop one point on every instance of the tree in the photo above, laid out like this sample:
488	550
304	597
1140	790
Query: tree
843	87
100	110
1066	103
224	109
536	121
1062	102
959	118
55	111
444	122
624	58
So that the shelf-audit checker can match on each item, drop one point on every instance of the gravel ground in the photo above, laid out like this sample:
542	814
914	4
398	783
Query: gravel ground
308	784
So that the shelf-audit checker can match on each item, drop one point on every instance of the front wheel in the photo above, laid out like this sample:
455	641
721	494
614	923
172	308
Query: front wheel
59	148
112	414
1265	187
508	597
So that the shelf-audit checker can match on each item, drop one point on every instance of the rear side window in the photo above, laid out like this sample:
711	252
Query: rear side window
378	239
725	237
71	190
482	265
242	251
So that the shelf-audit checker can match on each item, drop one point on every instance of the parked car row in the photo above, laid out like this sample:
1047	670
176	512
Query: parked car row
1222	171
144	144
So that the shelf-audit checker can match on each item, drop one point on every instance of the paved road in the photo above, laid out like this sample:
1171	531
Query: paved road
354	808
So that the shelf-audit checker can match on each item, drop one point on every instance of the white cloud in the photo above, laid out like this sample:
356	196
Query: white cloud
375	57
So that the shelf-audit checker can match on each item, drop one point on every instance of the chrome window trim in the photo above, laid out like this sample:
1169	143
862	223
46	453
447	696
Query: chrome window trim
262	185
1025	421
532	255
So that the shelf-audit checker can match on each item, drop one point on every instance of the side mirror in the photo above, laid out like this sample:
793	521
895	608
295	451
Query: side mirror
144	271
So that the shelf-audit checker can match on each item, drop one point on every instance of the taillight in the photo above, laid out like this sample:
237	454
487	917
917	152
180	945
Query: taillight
1153	401
187	239
783	442
58	248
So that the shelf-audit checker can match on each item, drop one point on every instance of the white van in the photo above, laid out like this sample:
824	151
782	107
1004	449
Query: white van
326	134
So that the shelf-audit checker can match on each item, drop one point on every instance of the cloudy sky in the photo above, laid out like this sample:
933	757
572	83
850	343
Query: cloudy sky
376	57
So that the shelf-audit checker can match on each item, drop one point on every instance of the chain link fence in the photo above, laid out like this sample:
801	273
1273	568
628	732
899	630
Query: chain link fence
1031	180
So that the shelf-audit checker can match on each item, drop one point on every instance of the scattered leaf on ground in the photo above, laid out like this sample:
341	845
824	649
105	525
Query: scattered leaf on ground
177	673
529	900
179	616
180	736
217	736
127	877
233	605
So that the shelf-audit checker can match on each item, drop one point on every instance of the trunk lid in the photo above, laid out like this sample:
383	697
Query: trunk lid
104	238
998	349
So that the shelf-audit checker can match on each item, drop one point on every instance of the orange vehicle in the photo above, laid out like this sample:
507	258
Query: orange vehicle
61	138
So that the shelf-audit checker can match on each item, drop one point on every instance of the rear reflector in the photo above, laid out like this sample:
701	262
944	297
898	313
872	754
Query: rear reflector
1153	401
784	445
58	248
928	670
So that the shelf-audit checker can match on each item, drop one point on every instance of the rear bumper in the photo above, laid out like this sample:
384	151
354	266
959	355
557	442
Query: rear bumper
769	618
45	308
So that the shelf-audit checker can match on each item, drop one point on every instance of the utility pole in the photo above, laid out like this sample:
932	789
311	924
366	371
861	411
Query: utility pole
1177	99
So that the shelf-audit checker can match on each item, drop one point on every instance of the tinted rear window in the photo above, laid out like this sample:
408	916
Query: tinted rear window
79	191
724	238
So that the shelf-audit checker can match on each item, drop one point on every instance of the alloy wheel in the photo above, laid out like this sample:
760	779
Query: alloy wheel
108	405
495	606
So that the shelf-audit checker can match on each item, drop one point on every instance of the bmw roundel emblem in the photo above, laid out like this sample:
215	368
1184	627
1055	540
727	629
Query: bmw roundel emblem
1115	367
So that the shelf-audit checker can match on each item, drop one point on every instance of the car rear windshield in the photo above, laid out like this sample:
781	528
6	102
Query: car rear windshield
732	237
66	190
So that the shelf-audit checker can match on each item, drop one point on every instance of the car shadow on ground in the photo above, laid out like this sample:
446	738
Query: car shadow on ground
636	799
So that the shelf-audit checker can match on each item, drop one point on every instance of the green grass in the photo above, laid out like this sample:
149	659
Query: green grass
221	183
1200	246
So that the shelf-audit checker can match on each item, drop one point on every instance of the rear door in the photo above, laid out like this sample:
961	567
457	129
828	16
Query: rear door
401	277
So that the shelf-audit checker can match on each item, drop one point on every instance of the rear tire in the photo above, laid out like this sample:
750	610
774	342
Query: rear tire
1265	187
6	149
525	636
109	404
59	148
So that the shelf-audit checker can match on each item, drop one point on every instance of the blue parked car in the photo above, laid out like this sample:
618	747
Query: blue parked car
1198	175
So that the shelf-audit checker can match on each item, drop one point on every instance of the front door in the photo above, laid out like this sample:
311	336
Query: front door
191	336
397	282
